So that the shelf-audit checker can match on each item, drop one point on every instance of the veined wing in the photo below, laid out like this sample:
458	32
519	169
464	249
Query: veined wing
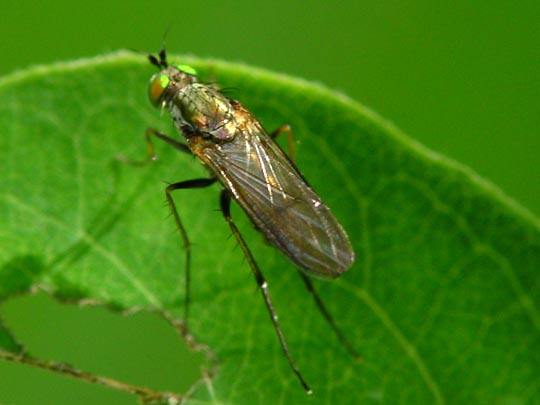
280	202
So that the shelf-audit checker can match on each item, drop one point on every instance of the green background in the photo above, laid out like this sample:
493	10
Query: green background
462	78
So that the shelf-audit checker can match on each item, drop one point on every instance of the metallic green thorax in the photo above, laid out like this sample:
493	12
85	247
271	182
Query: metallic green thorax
194	107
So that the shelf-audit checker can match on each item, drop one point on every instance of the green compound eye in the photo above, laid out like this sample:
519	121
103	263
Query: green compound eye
186	69
156	87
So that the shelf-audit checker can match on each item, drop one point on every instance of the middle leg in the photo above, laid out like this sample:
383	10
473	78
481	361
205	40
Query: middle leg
196	183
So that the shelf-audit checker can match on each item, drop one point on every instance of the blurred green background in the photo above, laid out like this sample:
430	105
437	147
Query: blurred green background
463	78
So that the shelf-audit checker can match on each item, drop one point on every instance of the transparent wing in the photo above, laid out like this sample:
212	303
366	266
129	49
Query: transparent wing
280	202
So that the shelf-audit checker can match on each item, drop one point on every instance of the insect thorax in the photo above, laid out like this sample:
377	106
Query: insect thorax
203	110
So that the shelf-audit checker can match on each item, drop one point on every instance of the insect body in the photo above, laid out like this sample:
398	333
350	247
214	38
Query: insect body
255	172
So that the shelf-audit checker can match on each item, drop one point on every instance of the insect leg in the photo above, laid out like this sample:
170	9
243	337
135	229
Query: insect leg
171	141
290	139
225	202
328	317
196	183
151	156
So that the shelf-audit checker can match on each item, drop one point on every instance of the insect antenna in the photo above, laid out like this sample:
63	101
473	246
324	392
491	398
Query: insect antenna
160	60
163	56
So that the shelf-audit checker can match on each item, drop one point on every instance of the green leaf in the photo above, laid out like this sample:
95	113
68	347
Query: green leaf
442	303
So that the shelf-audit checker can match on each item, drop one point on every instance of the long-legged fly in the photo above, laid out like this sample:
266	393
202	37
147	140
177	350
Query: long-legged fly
253	170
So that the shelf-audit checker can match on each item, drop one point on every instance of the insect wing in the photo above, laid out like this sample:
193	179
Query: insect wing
280	203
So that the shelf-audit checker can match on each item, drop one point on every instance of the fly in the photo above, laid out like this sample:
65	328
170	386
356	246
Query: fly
253	170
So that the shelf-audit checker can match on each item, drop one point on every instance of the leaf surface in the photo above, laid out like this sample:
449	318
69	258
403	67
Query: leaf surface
442	303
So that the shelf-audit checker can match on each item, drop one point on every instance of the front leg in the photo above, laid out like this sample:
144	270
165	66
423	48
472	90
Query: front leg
151	155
